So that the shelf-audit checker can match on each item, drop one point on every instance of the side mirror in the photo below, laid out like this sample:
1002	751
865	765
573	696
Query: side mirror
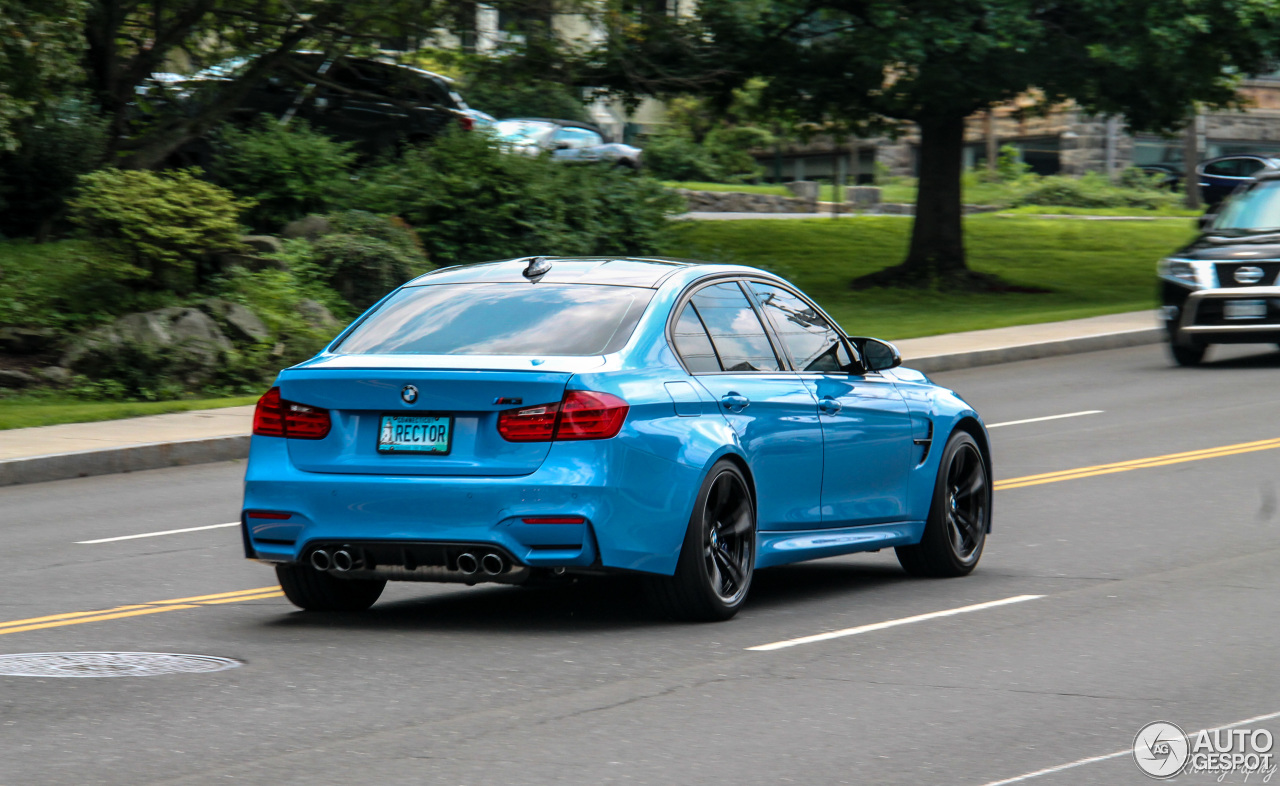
877	355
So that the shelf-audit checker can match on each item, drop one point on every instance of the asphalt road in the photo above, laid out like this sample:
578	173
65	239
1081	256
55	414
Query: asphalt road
1159	590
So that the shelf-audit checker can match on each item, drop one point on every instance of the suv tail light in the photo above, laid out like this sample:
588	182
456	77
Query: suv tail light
467	122
275	417
582	414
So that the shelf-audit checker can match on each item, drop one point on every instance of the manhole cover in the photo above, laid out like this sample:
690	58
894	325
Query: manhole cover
109	664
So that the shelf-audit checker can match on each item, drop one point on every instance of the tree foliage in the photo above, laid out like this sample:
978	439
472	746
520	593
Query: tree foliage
865	65
40	48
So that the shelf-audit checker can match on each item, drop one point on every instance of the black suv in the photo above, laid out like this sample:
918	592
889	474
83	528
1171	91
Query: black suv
1223	288
369	101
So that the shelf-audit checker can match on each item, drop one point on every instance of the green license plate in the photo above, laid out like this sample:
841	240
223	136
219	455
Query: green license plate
429	434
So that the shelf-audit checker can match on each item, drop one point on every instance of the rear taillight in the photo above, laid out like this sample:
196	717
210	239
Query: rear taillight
582	414
588	415
466	122
275	417
268	417
529	424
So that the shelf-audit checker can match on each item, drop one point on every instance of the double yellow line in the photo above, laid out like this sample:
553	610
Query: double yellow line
1145	463
120	612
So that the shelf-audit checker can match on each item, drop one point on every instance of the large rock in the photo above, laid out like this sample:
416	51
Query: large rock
55	375
183	340
803	189
309	227
862	197
316	315
241	323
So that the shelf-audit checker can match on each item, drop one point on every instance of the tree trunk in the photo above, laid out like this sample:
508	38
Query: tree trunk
937	237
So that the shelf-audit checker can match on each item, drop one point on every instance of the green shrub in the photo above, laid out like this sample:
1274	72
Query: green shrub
160	225
1093	190
363	265
289	171
470	201
675	156
723	156
1140	179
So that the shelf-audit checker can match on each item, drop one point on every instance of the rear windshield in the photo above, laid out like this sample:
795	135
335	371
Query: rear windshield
500	319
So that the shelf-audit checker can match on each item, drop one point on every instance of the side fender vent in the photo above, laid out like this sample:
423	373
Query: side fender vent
925	444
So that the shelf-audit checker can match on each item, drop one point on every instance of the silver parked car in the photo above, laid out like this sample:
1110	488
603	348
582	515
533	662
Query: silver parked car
566	140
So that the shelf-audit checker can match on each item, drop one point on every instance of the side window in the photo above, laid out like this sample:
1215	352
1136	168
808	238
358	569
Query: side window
577	137
735	330
1220	168
693	344
814	344
1231	167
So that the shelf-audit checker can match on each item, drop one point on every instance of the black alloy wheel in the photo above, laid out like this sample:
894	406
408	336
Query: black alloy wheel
960	515
717	560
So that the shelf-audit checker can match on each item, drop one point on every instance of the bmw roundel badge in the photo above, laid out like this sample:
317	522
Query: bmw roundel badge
408	394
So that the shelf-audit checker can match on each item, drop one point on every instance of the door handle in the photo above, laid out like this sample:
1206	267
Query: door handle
829	405
734	402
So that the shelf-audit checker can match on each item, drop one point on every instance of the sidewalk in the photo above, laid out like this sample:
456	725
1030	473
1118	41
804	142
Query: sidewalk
32	455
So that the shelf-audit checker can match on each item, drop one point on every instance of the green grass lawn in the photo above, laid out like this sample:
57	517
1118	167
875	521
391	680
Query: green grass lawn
976	192
27	411
1091	267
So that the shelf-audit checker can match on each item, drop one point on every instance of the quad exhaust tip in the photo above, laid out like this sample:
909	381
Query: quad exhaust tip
343	561
493	564
468	564
320	560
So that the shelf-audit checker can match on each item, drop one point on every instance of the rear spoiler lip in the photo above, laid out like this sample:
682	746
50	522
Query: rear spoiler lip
529	363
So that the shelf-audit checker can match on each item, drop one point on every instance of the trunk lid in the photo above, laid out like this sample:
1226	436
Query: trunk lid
359	391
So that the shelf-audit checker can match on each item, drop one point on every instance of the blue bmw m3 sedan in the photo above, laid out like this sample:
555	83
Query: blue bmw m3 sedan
517	420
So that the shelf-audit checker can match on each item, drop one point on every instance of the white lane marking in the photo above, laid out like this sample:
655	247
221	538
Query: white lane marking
1050	417
837	634
1125	752
156	534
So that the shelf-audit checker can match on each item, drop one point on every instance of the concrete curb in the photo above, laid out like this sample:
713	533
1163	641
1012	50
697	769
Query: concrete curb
155	455
1044	349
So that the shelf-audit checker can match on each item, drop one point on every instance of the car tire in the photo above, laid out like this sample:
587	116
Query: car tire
717	559
959	516
313	590
1187	354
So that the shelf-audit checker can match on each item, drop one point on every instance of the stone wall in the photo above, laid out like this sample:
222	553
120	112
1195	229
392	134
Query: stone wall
740	202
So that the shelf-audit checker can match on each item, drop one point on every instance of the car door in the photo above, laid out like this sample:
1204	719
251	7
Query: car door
723	343
866	428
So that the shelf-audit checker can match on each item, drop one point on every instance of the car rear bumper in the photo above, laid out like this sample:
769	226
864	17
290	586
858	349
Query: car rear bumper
634	505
